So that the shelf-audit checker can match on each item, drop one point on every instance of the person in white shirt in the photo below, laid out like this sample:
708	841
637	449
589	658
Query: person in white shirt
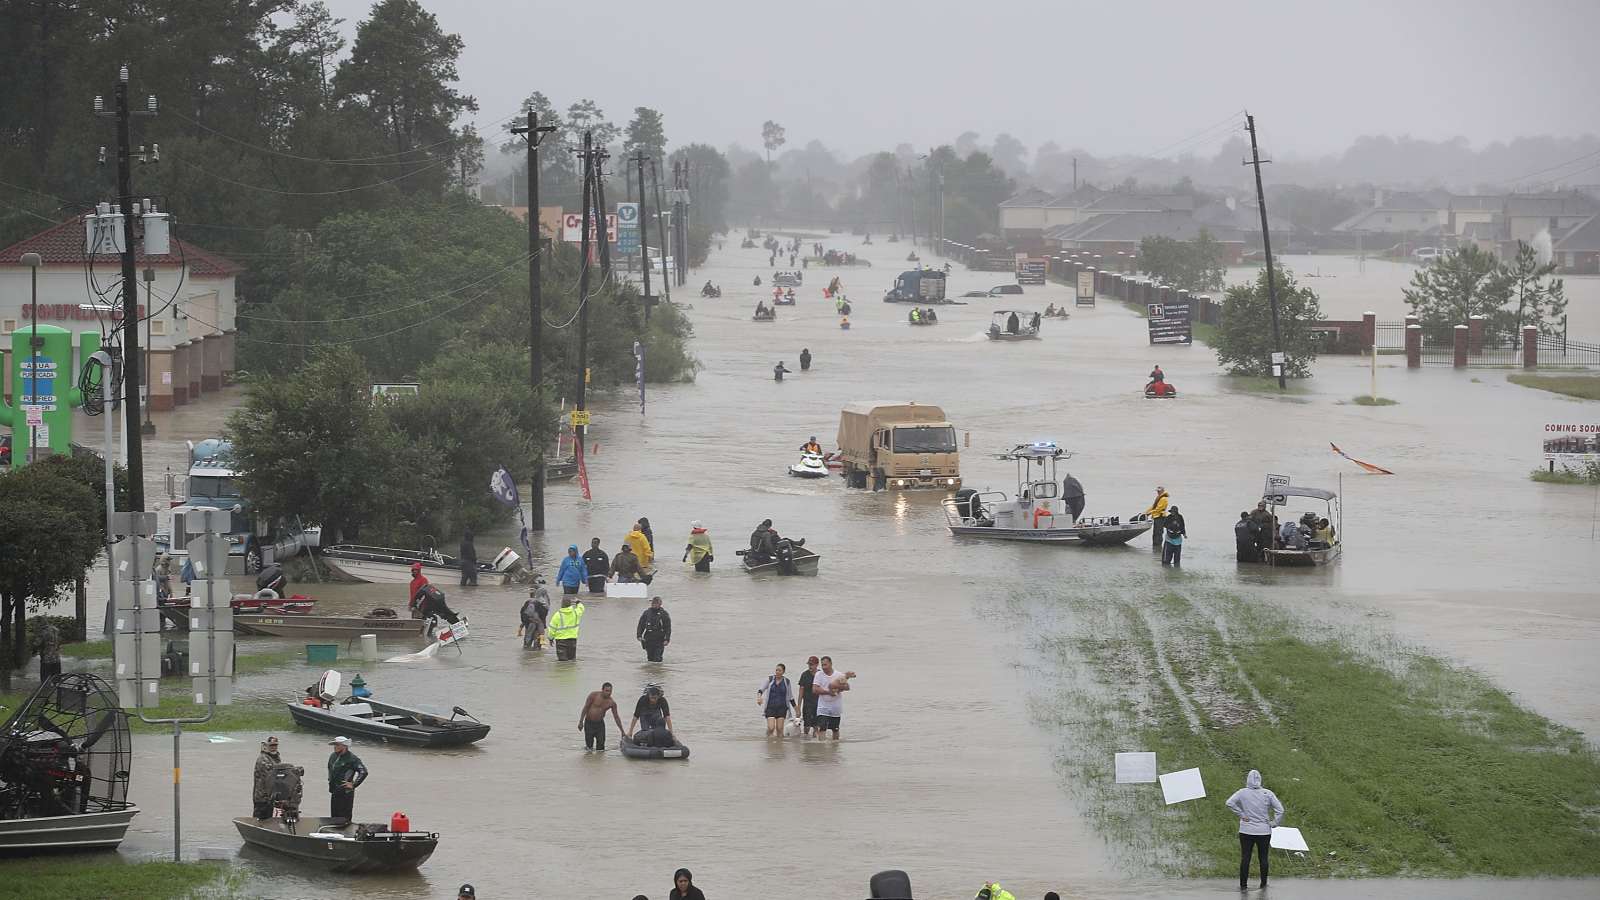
829	688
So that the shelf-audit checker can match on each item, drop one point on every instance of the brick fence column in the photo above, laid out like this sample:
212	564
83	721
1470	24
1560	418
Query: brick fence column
1475	335
1369	332
1413	346
1412	320
1530	347
1461	346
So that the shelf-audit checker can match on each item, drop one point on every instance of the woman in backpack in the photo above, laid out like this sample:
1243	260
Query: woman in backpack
776	699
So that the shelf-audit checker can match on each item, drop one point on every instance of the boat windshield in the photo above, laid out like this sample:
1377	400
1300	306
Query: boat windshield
925	439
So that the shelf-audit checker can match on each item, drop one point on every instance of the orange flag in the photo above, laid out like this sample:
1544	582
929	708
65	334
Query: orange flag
1375	470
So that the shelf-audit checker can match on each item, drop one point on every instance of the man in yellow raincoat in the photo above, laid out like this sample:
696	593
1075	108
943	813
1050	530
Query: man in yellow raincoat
1158	515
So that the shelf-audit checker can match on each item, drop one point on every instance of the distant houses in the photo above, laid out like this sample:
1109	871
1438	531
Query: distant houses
1495	223
1110	222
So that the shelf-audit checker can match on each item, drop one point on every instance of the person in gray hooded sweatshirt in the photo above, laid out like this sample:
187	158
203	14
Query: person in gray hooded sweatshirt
1259	811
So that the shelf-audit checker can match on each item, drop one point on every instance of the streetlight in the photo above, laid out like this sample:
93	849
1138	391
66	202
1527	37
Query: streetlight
33	261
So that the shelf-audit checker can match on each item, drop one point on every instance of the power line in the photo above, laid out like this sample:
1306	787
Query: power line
1559	166
282	193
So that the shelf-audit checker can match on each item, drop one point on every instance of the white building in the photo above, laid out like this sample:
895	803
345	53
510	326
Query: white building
187	311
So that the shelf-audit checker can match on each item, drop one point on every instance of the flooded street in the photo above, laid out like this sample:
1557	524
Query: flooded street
946	769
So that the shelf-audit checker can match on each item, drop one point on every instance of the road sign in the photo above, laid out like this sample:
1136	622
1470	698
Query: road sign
1169	323
35	415
580	417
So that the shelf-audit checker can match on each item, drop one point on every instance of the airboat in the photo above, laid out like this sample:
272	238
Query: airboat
1036	513
64	761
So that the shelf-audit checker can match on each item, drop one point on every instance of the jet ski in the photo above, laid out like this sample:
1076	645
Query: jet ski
811	465
1160	390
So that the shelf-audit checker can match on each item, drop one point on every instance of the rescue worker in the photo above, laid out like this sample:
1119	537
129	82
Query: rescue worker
915	315
345	774
779	370
261	789
992	891
698	550
468	558
655	714
1158	515
1244	539
805	359
1013	324
1172	547
599	566
655	630
625	565
1072	496
535	610
1156	375
811	446
572	572
563	627
640	544
1261	518
418	582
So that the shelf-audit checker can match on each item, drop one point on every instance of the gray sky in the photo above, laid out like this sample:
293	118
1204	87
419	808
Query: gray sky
1110	77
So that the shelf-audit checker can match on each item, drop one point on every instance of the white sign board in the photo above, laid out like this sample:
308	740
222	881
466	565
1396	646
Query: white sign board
572	228
1136	768
1288	839
35	415
1177	787
1086	285
628	215
635	590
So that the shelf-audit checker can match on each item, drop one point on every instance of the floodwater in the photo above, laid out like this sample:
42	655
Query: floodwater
943	770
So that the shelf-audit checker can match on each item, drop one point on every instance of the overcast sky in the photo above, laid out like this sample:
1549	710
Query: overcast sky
1112	76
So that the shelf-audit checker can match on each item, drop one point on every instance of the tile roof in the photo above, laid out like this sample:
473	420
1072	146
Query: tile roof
1481	203
64	245
1573	204
1584	238
1032	197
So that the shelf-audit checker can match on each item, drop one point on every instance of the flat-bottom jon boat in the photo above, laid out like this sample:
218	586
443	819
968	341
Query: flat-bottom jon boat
294	626
372	718
349	847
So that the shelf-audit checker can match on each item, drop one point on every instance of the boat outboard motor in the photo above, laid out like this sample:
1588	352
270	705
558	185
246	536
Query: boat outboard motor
967	504
891	884
273	579
286	791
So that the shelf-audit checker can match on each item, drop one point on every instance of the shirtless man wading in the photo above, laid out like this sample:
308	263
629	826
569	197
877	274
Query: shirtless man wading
592	721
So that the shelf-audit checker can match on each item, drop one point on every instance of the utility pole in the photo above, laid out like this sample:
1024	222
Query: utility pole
534	134
1074	173
600	157
644	245
583	292
680	221
132	371
661	232
149	337
1279	362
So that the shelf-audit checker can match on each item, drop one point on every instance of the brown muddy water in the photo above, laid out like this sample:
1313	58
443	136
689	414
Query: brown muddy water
944	770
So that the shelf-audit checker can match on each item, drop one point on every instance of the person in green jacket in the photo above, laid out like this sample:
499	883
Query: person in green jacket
345	774
563	628
698	550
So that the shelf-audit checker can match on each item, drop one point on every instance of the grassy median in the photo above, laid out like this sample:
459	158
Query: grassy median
1584	387
1390	762
110	877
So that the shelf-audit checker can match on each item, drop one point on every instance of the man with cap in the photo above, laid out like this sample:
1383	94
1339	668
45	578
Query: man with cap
573	572
1158	516
418	582
345	774
467	892
261	789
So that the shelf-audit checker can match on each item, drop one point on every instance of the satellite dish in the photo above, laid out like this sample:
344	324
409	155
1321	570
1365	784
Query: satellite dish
328	684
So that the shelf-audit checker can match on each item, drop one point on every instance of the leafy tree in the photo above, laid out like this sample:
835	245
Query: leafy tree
1196	265
1468	282
51	530
1010	155
1244	337
558	166
315	444
400	73
647	132
1538	301
316	29
772	137
586	115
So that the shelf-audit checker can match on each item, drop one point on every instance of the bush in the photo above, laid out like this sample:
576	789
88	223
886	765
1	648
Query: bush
1244	336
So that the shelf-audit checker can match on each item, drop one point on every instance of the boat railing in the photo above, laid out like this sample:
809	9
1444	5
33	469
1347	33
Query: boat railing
954	516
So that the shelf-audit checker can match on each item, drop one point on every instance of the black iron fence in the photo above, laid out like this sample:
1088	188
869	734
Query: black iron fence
1557	350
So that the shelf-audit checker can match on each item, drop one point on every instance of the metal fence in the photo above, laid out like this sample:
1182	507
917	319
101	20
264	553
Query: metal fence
1390	335
1557	350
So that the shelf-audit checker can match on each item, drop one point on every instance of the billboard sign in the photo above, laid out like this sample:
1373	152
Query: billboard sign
572	228
1169	323
1572	445
627	234
1085	288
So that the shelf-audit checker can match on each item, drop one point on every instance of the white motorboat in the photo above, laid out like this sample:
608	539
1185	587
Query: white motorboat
1312	552
1036	513
1014	325
811	465
386	565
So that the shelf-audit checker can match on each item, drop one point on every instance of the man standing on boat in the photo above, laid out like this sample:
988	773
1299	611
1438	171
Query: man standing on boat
599	566
468	558
1261	518
1158	516
345	774
261	790
1072	495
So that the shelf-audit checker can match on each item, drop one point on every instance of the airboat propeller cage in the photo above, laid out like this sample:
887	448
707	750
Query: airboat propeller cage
66	751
